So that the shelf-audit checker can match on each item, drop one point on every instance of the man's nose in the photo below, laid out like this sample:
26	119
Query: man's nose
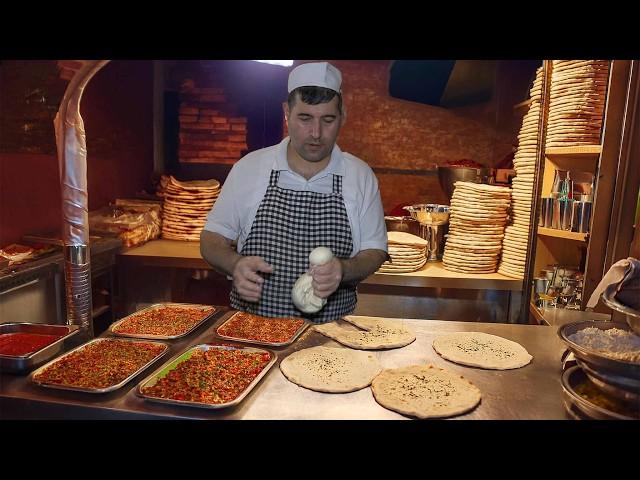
316	129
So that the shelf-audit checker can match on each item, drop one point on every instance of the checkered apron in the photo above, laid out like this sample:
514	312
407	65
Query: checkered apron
289	224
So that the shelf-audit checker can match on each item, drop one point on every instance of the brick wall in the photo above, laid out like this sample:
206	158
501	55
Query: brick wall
210	129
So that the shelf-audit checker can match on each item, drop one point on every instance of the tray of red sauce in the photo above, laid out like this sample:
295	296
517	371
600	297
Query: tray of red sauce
25	346
208	376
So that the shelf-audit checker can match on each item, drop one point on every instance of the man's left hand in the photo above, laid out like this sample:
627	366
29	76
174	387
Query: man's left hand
326	278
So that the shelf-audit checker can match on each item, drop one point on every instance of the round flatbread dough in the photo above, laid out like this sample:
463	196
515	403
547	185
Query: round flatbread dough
425	391
331	370
483	350
377	333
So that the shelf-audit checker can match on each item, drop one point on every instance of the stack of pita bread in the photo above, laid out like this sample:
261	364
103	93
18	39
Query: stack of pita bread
408	253
516	236
476	227
186	205
577	101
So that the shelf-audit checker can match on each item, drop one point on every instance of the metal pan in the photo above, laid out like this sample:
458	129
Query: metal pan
157	306
293	338
574	378
173	363
595	359
97	390
25	363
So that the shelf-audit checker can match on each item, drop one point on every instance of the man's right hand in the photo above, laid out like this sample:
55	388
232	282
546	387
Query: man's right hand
246	279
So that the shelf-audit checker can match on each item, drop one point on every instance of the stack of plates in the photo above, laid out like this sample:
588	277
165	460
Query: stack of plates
477	218
408	253
514	244
186	205
576	106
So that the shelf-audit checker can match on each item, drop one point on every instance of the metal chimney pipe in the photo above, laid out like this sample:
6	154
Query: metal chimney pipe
72	162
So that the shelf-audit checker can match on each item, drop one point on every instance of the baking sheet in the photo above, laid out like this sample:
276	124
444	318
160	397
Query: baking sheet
110	388
298	332
172	364
157	306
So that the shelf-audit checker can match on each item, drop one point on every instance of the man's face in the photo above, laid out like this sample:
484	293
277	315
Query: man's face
313	129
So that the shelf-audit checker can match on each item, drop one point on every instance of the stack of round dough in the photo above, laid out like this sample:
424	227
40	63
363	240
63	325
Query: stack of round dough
476	227
577	102
516	236
408	253
186	205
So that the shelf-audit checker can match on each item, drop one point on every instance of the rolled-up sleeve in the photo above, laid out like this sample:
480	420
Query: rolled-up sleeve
373	231
224	217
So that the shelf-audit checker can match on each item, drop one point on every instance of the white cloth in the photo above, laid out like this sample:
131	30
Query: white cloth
235	209
614	275
319	74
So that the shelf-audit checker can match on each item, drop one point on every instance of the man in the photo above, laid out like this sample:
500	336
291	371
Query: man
281	202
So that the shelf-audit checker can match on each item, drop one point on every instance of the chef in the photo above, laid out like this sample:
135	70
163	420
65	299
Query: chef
281	202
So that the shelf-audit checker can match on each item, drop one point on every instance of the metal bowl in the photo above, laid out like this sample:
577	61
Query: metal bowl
429	213
625	372
572	379
632	316
448	176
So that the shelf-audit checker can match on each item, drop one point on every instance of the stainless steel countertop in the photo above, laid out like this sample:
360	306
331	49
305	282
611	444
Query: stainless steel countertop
531	392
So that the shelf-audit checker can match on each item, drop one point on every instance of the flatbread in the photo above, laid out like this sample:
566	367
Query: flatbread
478	349
425	391
377	333
331	370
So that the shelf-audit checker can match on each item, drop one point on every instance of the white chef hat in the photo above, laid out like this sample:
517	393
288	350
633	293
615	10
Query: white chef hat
320	74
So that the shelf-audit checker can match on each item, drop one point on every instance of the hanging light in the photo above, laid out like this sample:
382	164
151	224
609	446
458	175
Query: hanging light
283	63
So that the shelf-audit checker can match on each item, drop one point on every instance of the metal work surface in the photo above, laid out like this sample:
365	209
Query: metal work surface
531	392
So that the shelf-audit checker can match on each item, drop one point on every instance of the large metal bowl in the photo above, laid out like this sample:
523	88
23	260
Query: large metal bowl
632	316
448	176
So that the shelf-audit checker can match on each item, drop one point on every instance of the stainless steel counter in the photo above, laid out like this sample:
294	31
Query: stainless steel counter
531	392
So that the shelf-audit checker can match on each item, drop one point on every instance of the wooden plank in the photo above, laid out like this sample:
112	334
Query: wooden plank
607	172
554	232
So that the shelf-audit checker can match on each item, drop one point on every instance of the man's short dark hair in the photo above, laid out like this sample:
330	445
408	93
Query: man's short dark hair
314	96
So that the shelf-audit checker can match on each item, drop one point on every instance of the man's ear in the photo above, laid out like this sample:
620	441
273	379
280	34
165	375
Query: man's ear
343	117
285	109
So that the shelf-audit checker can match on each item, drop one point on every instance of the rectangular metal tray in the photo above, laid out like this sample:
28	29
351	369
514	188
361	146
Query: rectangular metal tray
302	328
25	363
173	363
98	390
161	337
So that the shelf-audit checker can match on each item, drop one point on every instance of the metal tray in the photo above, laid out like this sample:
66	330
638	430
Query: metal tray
298	332
155	307
596	360
173	363
25	363
570	380
631	316
98	390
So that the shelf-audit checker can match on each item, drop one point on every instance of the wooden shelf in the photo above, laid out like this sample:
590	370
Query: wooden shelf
554	232
579	151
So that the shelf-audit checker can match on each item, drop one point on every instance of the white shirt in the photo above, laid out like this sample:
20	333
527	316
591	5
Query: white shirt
235	209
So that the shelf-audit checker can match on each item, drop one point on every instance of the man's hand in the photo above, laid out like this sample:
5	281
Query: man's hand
326	278
246	279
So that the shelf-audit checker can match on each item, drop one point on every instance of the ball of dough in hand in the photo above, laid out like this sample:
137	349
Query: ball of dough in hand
302	292
320	256
303	297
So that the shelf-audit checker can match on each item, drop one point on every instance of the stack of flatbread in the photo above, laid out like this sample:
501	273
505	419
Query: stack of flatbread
577	101
476	227
186	205
514	244
408	253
